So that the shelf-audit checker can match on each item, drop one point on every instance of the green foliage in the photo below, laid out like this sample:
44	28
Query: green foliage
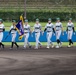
42	15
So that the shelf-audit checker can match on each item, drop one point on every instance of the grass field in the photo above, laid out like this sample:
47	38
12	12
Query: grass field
33	43
8	24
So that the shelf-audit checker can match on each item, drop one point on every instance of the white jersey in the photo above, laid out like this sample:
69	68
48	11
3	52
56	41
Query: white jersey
37	27
13	29
58	26
26	28
1	27
49	27
70	26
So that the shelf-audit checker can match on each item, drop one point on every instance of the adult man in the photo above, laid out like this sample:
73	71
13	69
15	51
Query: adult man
49	28
13	31
70	30
2	29
26	34
37	30
58	30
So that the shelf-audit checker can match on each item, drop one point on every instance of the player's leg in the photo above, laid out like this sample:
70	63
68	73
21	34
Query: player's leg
39	43
15	42
12	41
37	40
1	37
58	33
52	45
27	40
48	40
69	38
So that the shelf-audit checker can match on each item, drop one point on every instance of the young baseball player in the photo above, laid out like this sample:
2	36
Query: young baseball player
58	30
37	30
49	28
13	31
70	30
2	29
26	34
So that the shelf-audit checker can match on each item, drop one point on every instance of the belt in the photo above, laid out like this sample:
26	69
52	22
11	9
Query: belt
26	32
49	31
36	32
13	33
57	30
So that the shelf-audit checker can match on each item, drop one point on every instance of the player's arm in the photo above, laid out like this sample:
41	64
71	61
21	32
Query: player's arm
45	28
3	28
53	29
73	28
62	29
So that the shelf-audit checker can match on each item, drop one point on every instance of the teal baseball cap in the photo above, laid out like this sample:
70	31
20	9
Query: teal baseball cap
70	18
26	20
1	20
57	18
49	19
14	21
37	19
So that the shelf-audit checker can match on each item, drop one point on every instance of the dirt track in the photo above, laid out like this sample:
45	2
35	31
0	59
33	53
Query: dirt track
38	62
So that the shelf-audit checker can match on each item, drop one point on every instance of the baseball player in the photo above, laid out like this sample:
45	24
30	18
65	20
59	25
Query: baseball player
70	30
13	31
26	34
58	30
37	30
49	28
2	29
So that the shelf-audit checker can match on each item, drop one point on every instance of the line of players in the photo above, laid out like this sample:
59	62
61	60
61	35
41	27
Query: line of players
50	28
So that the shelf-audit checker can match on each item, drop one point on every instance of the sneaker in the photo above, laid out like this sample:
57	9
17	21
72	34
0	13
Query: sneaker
60	44
69	46
17	47
47	47
52	46
35	48
11	48
57	46
30	46
3	46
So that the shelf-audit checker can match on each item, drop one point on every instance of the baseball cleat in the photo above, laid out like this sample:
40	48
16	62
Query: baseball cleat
69	46
60	44
35	48
30	46
57	46
11	48
47	47
52	46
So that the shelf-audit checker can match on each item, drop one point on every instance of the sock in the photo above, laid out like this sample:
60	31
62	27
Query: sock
16	44
58	41
2	45
69	42
12	44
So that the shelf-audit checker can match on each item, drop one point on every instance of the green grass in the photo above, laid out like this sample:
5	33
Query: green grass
8	24
43	43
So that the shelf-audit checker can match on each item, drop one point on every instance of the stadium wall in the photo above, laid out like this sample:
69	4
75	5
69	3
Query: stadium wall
43	38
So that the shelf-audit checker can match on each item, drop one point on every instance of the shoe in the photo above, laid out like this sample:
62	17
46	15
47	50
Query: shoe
3	46
24	47
30	46
17	47
60	45
57	46
47	47
69	46
11	48
35	48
